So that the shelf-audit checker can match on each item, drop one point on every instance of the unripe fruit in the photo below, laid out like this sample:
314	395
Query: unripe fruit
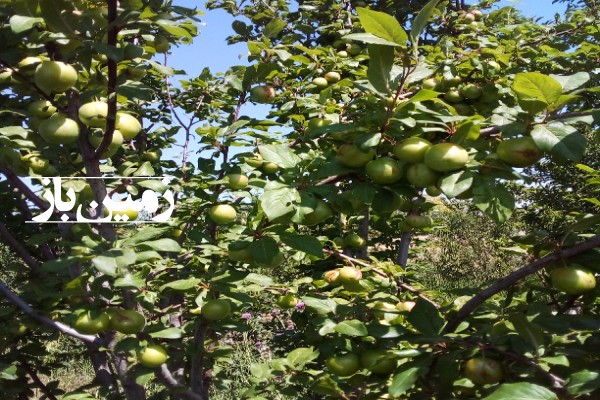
41	109
384	171
418	221
270	167
483	371
55	76
262	94
411	150
94	114
89	323
349	274
430	83
332	77
237	181
152	356
445	157
573	280
113	147
58	129
320	82
255	161
453	96
471	91
287	301
344	365
222	214
421	176
520	152
351	155
128	125
333	277
320	213
215	310
355	241
378	362
161	44
405	306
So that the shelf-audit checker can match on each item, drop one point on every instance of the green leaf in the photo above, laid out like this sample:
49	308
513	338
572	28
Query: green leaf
174	29
420	23
562	141
583	382
105	265
169	333
8	372
280	154
299	357
404	380
380	67
59	16
527	331
494	200
145	234
261	280
426	318
383	25
521	391
572	82
145	170
164	244
352	327
536	91
130	281
371	39
456	183
264	250
273	28
308	244
20	23
182	284
280	202
320	306
14	131
135	90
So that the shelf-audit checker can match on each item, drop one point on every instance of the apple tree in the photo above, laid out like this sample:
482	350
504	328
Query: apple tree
379	114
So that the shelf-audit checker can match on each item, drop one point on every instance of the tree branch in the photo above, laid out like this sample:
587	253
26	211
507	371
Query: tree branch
18	248
11	296
517	275
165	376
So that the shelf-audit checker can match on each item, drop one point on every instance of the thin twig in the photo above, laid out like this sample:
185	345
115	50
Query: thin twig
179	390
18	247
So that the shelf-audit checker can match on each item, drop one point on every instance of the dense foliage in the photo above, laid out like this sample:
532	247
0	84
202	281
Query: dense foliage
320	231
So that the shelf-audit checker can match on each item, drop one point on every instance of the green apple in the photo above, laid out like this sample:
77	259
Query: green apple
444	157
351	155
573	280
126	321
405	306
161	44
349	275
41	109
378	361
520	152
94	114
384	171
237	181
384	310
270	167
418	221
431	84
152	356
320	213
58	129
262	94
316	123
483	371
343	365
287	301
320	82
91	322
332	76
96	137
28	65
128	125
215	310
255	162
471	91
453	96
55	76
421	176
355	241
411	150
240	251
333	277
222	214
152	156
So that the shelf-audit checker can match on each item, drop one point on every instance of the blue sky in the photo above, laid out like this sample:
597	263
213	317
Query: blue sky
211	50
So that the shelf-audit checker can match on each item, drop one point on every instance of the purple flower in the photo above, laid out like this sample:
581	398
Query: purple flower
275	312
300	305
246	315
